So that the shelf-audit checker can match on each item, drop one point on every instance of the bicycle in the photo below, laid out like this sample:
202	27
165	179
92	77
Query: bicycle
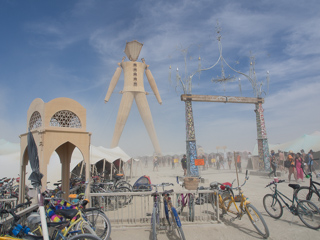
184	200
307	211
311	193
97	219
113	202
17	231
228	204
172	218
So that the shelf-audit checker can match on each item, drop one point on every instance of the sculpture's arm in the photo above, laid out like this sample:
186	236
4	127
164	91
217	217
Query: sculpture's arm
113	82
153	85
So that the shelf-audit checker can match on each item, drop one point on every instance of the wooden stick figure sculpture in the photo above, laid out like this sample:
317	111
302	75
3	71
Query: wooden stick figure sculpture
134	89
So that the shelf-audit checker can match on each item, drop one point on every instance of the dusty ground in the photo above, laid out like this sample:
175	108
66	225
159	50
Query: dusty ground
287	227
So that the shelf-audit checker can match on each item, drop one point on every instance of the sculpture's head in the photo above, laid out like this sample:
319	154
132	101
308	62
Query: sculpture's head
133	49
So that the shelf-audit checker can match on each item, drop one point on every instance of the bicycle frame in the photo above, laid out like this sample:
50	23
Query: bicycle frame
64	232
185	199
294	202
240	210
279	194
156	206
313	185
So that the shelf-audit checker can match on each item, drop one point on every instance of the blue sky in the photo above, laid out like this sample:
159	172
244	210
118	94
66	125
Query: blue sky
51	49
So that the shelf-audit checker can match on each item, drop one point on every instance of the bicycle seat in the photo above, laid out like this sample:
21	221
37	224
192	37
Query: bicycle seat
118	177
294	186
91	209
167	192
59	225
67	213
155	194
225	185
214	185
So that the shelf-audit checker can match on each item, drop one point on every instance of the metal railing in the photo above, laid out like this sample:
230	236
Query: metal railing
6	221
135	208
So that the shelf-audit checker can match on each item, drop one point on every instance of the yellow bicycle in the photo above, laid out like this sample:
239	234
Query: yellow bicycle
228	205
77	224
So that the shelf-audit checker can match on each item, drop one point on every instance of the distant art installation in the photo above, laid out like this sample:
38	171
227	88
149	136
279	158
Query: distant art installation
134	89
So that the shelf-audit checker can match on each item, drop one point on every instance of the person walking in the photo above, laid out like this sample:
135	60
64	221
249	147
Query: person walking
273	164
281	161
229	161
310	163
292	167
184	165
155	164
172	162
239	162
299	166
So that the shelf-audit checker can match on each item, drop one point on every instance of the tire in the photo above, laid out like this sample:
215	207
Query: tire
84	236
100	223
191	208
124	200
85	228
257	220
226	199
272	206
177	223
305	193
180	204
124	184
309	214
154	224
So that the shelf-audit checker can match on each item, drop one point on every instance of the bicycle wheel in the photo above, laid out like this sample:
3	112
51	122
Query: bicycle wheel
180	203
305	193
85	227
272	206
177	223
100	223
154	224
257	220
191	208
125	199
84	236
123	184
309	214
226	204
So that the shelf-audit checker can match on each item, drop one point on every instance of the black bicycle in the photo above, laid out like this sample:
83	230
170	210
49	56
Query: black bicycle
307	211
311	193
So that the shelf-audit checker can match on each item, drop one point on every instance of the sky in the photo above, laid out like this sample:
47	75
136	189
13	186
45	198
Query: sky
52	49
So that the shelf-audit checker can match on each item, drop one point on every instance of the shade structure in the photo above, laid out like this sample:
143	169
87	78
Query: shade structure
305	142
133	49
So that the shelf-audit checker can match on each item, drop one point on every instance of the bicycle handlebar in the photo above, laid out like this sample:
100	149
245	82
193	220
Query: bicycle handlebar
162	185
273	182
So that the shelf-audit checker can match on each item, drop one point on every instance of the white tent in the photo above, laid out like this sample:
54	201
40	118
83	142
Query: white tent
305	142
10	159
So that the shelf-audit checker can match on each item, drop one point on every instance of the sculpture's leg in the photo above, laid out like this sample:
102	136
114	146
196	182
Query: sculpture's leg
123	113
146	116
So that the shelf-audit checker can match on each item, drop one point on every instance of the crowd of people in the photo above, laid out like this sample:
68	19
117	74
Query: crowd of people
213	160
295	164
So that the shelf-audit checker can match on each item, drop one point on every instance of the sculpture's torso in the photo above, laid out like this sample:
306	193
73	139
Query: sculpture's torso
133	76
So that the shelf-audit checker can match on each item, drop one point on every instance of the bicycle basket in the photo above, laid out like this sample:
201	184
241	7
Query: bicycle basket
191	183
